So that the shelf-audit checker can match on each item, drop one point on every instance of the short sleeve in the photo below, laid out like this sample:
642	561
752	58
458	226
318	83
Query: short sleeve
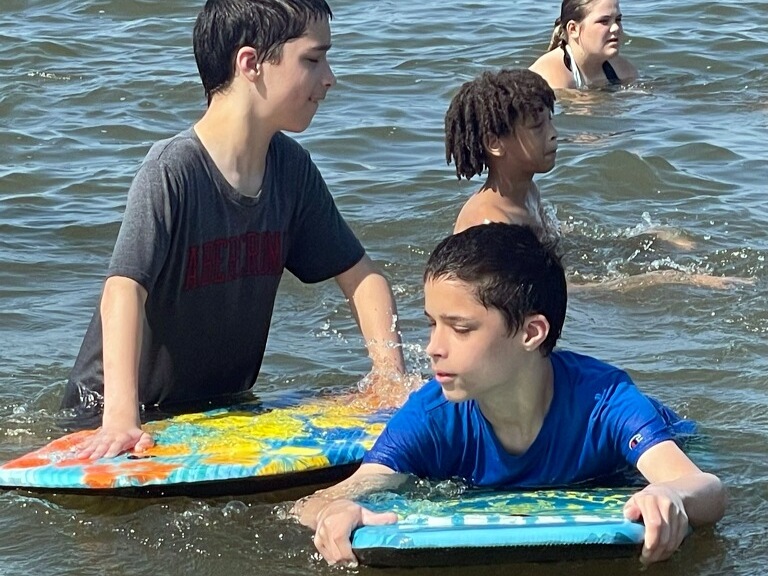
634	421
322	243
143	241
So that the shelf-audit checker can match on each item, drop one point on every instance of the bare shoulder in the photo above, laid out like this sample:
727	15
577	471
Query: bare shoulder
551	67
485	208
473	212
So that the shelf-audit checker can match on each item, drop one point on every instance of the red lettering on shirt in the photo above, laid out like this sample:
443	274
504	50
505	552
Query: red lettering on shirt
272	251
190	280
252	245
233	261
229	259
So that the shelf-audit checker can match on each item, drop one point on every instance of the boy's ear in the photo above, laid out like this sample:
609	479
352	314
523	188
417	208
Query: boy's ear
494	146
535	331
247	62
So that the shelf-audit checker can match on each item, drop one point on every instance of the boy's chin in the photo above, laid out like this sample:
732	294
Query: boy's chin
296	129
547	167
455	395
298	125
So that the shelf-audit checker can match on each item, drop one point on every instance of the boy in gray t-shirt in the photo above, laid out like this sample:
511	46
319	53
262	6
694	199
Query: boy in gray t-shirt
213	217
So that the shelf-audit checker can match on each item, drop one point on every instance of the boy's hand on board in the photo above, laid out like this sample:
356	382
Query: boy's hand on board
662	511
379	389
110	441
335	523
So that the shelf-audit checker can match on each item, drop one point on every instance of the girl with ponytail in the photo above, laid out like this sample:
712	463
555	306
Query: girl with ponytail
584	49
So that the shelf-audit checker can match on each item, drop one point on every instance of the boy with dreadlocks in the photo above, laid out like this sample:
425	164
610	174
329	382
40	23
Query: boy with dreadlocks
502	121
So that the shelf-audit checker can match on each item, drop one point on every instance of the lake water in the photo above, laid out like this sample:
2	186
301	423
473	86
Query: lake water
88	85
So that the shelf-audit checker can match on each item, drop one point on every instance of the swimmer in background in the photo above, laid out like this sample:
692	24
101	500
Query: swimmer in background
584	50
502	121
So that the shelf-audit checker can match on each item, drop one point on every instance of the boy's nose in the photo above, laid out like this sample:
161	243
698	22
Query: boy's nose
434	349
330	80
552	131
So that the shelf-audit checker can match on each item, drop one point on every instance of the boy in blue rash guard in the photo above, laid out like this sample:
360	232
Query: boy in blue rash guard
506	411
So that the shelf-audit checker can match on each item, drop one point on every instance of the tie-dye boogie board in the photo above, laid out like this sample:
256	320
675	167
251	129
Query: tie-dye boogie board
242	449
484	527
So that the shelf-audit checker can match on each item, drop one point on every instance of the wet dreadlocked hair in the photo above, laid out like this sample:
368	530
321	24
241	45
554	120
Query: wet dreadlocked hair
575	10
490	105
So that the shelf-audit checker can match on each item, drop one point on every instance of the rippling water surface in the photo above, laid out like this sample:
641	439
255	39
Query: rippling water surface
668	174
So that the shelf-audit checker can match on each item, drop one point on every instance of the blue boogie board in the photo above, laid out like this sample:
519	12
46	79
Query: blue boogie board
484	527
242	449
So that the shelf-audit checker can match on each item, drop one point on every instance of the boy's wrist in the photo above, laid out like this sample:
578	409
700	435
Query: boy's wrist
121	416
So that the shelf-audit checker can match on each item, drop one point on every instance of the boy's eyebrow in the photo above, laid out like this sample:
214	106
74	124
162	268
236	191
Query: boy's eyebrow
448	317
322	47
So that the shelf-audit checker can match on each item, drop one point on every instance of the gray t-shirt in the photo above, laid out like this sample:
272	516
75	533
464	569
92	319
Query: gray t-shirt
211	261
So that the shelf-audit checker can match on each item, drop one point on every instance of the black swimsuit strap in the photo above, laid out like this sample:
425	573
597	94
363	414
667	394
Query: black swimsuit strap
610	73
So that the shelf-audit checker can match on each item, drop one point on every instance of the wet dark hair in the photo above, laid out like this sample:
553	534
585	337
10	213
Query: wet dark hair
225	26
489	106
510	270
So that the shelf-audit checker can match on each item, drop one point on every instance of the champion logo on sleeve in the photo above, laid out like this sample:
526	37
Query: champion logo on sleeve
635	440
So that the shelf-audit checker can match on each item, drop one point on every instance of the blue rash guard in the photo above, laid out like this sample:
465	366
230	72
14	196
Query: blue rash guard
597	427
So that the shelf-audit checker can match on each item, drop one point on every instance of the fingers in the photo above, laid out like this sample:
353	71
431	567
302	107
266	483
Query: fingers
337	551
656	537
96	447
333	542
85	450
335	525
378	518
665	520
107	444
145	443
632	511
115	447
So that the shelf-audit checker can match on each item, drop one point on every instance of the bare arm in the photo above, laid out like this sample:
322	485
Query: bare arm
373	306
679	494
333	514
366	479
122	315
